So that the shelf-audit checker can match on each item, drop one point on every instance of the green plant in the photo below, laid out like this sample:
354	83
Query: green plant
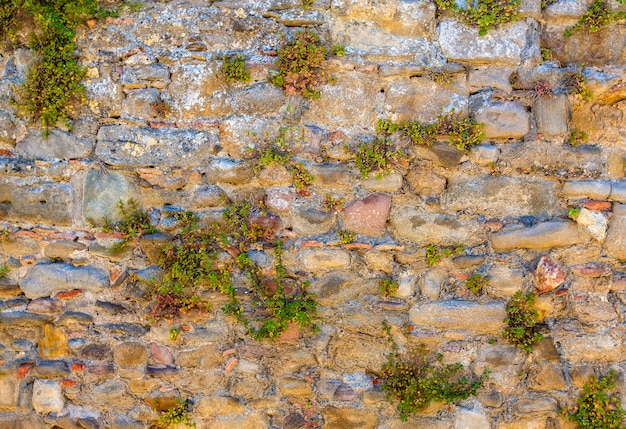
434	253
388	286
543	89
521	321
299	65
477	282
346	237
442	78
302	177
277	153
333	204
576	137
576	83
338	50
418	377
234	68
547	54
4	271
485	14
161	108
596	408
174	333
463	133
176	415
53	81
598	15
377	156
306	3
574	212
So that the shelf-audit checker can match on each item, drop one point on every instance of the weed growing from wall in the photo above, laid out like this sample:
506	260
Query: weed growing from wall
485	14
477	282
176	415
388	286
598	15
277	152
418	377
597	408
53	82
234	68
434	253
462	133
377	157
521	320
575	82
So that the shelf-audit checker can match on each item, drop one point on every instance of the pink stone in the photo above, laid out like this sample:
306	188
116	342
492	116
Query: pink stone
367	216
592	269
548	275
45	305
230	365
161	354
279	200
345	393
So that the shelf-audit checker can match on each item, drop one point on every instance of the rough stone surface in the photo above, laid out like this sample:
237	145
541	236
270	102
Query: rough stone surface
615	243
46	279
44	202
316	260
130	354
102	192
504	120
542	236
349	418
551	115
548	275
463	315
47	396
58	145
367	216
501	196
10	388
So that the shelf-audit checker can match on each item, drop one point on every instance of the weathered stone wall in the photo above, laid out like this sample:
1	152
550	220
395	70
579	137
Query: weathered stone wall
77	348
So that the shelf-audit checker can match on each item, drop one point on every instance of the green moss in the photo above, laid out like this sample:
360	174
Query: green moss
377	157
597	16
521	321
485	14
234	68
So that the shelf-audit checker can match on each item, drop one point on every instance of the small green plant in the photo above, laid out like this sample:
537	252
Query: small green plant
543	89
485	14
176	415
573	213
388	286
174	334
477	282
576	83
597	408
434	253
277	153
333	204
576	137
598	15
338	50
377	156
346	237
521	321
306	4
463	133
547	54
234	68
302	178
53	82
417	378
4	271
442	78
161	108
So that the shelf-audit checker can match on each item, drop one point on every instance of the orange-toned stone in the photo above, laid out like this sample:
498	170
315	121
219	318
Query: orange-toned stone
364	246
460	276
53	343
598	205
27	233
66	382
230	365
23	370
312	243
292	333
109	235
69	294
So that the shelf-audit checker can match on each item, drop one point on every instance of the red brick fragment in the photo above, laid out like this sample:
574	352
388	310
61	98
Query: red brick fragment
357	246
23	370
78	366
598	205
592	269
69	294
312	244
66	382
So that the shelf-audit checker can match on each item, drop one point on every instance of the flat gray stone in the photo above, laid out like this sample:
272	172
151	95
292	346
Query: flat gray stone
46	279
542	236
308	221
388	183
551	114
10	388
47	396
433	228
460	315
228	171
618	189
580	345
504	120
143	147
58	145
43	202
596	189
102	191
500	46
501	196
615	242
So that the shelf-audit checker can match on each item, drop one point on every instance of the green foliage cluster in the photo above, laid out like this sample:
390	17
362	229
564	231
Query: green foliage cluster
442	77
234	68
278	153
4	271
346	237
598	15
161	108
333	204
306	4
477	282
575	82
377	156
299	65
521	321
387	286
419	377
576	137
573	213
53	81
176	415
485	14
434	253
463	133
596	408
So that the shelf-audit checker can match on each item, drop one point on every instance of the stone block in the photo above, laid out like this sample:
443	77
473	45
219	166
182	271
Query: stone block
367	216
242	134
103	191
425	228
44	202
470	418
130	354
504	120
349	418
615	242
228	171
317	260
597	189
459	315
294	387
501	196
47	396
138	104
542	236
46	279
22	421
10	388
502	46
220	406
551	114
261	99
490	77
618	191
388	183
143	147
309	221
57	145
594	346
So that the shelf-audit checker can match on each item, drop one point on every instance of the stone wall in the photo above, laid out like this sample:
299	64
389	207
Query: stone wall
77	346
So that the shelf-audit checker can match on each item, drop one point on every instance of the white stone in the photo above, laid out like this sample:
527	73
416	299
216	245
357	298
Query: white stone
47	397
596	222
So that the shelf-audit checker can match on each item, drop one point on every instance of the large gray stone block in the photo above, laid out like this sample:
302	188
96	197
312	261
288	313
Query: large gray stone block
542	236
45	202
102	191
551	114
46	279
58	145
